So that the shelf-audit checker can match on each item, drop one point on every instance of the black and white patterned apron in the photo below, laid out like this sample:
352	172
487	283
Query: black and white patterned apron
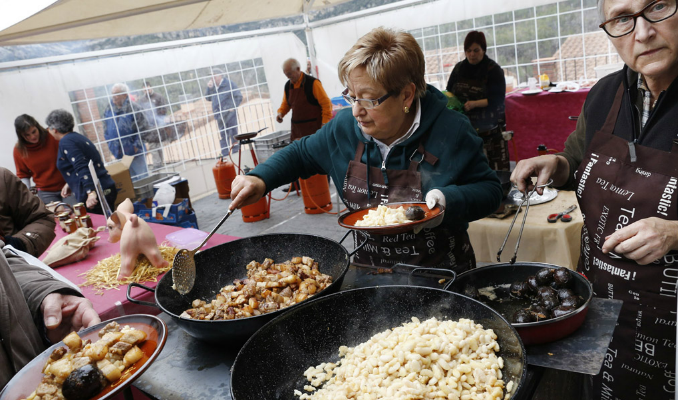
436	247
614	192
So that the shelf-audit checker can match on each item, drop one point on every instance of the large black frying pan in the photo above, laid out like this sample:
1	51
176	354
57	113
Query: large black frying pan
220	265
271	364
531	332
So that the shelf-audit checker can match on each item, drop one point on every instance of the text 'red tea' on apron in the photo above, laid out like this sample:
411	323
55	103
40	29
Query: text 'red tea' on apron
436	247
615	191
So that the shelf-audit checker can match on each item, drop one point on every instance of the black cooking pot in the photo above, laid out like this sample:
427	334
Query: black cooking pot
218	266
271	364
546	331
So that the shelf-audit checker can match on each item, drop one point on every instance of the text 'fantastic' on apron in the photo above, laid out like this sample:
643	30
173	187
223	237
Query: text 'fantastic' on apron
614	192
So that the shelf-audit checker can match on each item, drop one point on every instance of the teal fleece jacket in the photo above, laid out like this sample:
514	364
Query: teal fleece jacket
472	190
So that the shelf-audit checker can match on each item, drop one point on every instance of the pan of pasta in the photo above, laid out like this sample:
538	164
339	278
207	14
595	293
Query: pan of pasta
390	218
387	342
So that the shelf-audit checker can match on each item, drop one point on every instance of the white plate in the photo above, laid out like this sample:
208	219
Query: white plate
516	197
572	87
555	90
531	92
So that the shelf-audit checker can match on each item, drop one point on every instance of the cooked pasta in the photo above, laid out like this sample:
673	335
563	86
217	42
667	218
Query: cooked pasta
382	216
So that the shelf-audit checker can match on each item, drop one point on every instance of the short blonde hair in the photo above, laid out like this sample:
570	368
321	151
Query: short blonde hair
391	58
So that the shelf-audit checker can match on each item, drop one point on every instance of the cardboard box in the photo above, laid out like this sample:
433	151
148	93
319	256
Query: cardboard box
119	171
179	211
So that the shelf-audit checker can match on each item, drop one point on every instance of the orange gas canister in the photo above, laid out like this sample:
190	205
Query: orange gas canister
257	211
224	173
316	194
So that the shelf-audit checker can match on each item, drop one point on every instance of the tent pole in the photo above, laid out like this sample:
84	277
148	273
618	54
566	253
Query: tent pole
309	38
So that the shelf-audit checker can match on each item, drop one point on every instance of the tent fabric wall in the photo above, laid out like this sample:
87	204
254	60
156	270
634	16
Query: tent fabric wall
40	89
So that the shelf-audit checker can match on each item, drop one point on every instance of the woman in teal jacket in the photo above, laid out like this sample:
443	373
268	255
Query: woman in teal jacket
399	143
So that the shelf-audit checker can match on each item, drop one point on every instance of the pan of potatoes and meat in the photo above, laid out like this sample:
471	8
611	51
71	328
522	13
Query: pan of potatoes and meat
243	284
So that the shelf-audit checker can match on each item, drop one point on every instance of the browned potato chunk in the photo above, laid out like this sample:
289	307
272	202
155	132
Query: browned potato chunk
110	371
61	369
135	354
97	351
73	341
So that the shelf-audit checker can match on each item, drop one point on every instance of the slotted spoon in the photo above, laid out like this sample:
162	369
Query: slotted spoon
183	268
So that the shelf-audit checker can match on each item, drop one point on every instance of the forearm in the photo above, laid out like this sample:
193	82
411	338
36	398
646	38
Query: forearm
35	283
284	107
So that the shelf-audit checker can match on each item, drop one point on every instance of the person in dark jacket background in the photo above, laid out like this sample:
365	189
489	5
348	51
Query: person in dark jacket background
478	82
399	142
75	153
225	98
125	125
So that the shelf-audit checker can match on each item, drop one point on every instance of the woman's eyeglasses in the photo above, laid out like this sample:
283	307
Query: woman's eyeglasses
656	11
367	104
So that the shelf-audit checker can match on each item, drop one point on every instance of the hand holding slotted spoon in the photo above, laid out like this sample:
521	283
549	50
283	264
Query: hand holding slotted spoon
183	268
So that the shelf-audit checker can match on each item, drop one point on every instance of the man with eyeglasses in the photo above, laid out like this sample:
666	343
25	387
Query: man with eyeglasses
622	161
305	96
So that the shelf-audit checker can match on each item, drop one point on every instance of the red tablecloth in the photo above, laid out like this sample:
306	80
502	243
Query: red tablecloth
541	119
113	303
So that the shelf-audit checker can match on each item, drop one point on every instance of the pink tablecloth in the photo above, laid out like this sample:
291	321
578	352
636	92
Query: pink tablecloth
541	119
113	303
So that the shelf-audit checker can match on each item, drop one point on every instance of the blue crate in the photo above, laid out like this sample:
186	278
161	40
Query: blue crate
179	211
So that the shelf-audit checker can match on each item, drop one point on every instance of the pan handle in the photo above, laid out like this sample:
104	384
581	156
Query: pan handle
360	246
143	303
437	270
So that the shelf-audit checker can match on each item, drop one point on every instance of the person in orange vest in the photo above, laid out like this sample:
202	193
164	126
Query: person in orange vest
305	96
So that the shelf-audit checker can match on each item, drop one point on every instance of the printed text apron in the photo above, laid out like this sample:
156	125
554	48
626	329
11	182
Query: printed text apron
435	247
614	192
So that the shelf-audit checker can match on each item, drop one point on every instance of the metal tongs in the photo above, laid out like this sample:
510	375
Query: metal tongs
526	203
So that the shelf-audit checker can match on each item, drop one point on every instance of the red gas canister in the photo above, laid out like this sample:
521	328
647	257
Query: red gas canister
257	211
316	194
224	173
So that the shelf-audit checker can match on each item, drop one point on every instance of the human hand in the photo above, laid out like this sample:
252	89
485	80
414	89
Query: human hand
246	190
543	167
65	191
63	314
210	84
469	105
433	197
644	241
91	199
279	118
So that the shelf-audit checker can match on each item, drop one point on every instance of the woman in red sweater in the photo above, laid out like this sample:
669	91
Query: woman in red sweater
35	156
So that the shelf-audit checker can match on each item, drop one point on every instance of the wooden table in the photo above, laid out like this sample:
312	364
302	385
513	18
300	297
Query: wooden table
554	243
113	303
541	119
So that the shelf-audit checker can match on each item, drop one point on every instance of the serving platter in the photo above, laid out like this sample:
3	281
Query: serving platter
26	380
516	197
531	92
349	219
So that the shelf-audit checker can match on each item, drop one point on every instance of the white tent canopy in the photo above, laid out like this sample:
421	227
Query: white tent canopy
68	20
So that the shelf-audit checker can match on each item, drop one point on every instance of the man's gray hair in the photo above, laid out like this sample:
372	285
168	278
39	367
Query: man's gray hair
217	71
120	88
292	62
601	11
60	120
